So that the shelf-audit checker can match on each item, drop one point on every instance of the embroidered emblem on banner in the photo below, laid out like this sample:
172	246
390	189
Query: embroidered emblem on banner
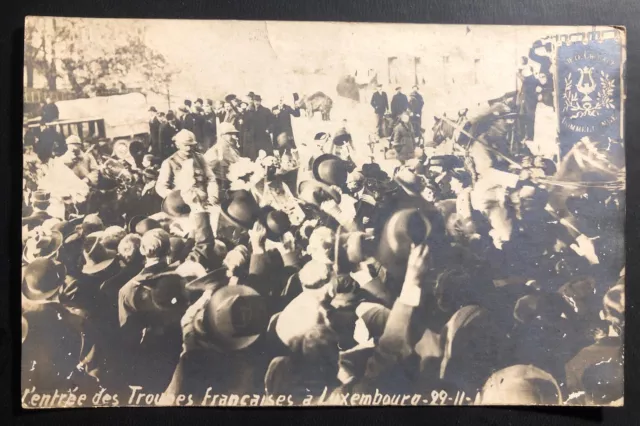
589	90
579	97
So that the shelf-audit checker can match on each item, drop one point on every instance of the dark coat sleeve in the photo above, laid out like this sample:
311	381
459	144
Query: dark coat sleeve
202	251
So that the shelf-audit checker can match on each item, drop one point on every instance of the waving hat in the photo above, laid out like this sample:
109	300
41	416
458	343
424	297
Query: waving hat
330	169
404	228
275	221
242	209
174	205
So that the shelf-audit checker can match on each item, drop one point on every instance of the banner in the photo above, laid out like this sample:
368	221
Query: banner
589	88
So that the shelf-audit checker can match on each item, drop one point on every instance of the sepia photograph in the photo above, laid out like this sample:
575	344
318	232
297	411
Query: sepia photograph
222	213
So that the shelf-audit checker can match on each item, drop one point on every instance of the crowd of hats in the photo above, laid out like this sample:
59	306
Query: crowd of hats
467	324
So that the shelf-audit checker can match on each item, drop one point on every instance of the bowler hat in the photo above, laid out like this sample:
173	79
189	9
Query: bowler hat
90	223
42	245
187	102
174	205
235	317
242	209
251	95
229	98
330	170
141	224
404	228
313	192
42	279
257	98
97	258
275	221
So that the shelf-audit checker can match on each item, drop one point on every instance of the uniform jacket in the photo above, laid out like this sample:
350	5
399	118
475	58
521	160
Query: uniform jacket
172	166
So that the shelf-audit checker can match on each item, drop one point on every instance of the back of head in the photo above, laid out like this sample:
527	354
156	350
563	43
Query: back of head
520	385
155	244
129	247
112	236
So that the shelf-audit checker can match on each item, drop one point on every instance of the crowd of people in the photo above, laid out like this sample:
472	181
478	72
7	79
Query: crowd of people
226	254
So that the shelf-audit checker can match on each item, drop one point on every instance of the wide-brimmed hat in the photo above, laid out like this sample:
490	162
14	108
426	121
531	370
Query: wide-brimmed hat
174	205
212	280
96	257
330	169
257	98
241	209
141	224
42	245
409	181
185	137
167	290
229	98
404	228
235	317
275	221
313	192
42	279
227	128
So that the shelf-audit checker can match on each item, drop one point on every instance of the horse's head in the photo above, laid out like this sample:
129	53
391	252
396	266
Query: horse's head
440	131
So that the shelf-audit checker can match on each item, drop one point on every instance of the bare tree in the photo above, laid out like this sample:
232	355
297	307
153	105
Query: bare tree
90	55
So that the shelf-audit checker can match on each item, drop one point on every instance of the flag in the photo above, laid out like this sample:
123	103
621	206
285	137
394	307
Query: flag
589	88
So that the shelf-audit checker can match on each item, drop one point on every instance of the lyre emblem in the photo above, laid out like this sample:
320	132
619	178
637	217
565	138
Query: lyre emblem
586	85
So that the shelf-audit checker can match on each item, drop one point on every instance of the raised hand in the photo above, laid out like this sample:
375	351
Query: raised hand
417	264
258	235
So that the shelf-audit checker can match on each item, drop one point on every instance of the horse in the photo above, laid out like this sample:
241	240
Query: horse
491	130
